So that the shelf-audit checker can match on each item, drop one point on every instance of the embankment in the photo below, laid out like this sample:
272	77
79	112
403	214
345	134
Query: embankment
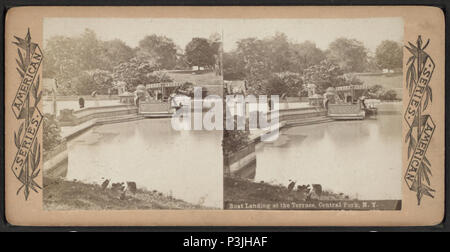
60	194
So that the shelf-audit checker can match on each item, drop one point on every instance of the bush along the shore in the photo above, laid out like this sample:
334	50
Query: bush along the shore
378	92
51	132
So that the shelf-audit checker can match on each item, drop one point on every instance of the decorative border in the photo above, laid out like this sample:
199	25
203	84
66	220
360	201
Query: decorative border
420	124
25	108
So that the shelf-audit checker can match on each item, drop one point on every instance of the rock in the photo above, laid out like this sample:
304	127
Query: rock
131	187
105	184
117	186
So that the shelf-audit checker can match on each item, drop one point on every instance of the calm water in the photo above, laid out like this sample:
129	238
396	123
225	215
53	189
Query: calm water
184	164
358	158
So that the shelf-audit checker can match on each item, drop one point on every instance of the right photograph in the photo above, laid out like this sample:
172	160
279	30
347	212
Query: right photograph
334	88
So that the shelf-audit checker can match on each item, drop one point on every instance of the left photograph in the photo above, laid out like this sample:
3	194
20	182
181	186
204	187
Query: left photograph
110	89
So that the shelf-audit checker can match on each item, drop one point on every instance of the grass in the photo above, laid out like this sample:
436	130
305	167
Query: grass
61	194
207	80
393	81
238	190
199	79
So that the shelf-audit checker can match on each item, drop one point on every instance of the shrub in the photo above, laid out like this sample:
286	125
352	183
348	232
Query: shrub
51	132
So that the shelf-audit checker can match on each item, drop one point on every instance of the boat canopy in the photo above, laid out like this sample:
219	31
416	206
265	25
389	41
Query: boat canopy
351	87
160	85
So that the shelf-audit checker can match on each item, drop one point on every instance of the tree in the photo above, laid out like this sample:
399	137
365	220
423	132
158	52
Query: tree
84	83
258	60
102	80
379	92
161	49
66	58
324	75
389	95
287	83
215	42
199	53
375	91
389	55
70	60
234	140
90	52
304	55
138	71
349	54
51	132
116	52
89	81
233	66
278	53
252	54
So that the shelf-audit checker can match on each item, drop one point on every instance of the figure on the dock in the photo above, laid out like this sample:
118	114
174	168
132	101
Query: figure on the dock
81	102
325	103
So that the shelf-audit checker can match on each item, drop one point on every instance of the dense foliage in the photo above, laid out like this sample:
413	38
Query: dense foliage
349	54
276	65
389	55
199	52
161	49
73	60
137	71
378	92
51	132
83	64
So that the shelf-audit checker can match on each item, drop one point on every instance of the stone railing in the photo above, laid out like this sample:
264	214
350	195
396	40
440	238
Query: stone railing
242	162
69	117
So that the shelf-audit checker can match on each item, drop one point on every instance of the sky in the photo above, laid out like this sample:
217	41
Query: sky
370	31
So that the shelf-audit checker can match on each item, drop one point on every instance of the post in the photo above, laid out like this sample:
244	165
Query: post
55	110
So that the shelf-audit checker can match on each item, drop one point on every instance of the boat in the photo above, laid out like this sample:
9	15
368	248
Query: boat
348	103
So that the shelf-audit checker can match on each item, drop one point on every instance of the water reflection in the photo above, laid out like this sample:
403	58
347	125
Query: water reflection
184	164
358	158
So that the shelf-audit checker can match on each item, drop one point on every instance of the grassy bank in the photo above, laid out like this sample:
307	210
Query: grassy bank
393	81
60	194
238	190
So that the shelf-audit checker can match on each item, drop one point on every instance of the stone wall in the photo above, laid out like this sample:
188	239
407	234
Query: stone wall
239	160
70	117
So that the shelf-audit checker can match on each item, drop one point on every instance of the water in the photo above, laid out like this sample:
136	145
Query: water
358	158
184	164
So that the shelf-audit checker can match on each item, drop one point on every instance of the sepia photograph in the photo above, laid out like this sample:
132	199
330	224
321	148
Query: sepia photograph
110	95
339	83
226	126
224	116
110	88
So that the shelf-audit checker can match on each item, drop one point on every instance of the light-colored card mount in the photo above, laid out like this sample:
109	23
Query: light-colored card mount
421	177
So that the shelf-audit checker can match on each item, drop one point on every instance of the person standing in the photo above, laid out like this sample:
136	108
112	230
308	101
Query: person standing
81	102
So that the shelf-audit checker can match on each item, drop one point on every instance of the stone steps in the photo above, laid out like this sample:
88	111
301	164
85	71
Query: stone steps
119	119
308	121
303	116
